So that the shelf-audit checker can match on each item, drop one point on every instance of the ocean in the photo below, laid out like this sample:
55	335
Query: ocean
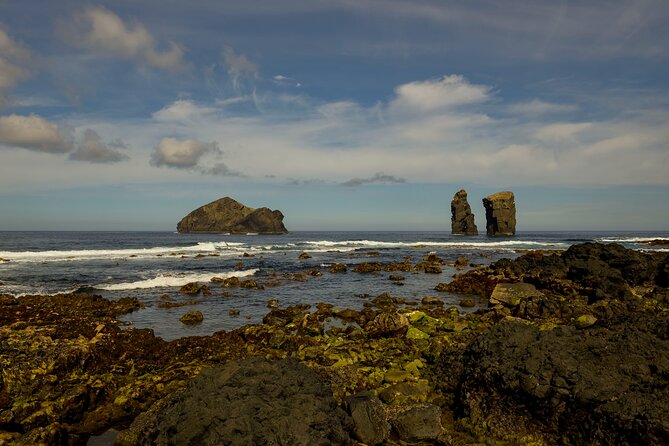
152	266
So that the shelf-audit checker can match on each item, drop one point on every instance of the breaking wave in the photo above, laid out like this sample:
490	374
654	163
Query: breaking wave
172	280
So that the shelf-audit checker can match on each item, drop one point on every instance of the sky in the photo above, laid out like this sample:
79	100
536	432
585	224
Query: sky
343	114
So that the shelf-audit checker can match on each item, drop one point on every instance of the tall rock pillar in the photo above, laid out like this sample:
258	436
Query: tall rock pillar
500	213
462	219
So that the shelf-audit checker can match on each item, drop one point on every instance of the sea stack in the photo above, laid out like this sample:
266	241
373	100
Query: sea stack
462	219
500	214
229	216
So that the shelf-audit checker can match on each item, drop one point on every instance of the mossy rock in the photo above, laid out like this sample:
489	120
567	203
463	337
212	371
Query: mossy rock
192	318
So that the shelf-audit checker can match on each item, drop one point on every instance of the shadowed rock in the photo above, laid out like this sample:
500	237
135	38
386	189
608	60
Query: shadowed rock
500	214
462	219
570	386
369	418
228	215
249	402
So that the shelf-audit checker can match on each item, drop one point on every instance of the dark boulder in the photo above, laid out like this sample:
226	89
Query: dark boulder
369	418
500	214
419	423
462	219
248	402
590	386
230	216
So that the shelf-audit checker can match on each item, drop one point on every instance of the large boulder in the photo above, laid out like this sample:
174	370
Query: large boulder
462	219
230	216
500	213
248	402
569	386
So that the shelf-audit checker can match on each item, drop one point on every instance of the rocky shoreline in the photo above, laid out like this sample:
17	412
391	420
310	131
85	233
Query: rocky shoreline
573	348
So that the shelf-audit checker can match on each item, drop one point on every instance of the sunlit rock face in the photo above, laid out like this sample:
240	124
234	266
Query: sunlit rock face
229	216
500	214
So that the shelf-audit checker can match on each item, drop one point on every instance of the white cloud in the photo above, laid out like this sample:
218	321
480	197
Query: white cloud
182	110
93	150
346	142
561	131
538	107
181	154
34	133
438	94
14	59
100	30
239	67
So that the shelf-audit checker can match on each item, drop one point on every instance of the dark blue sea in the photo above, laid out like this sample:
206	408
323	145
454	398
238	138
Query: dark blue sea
148	265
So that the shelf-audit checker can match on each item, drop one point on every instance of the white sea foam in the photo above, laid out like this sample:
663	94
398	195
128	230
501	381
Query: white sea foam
463	244
223	248
631	239
173	280
220	248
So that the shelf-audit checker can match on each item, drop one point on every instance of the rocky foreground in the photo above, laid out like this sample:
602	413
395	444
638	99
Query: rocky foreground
572	349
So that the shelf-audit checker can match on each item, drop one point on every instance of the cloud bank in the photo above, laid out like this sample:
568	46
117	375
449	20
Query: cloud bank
377	178
34	133
14	61
103	32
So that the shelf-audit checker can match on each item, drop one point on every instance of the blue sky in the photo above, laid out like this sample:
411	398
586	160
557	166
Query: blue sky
364	114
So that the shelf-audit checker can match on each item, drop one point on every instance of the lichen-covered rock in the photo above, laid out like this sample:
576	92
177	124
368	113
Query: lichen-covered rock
192	318
512	294
337	268
193	289
462	219
500	213
248	402
230	216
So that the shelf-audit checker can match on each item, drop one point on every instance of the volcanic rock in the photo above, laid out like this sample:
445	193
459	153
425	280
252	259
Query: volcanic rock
419	423
462	219
570	386
192	318
369	418
500	214
230	216
254	401
511	294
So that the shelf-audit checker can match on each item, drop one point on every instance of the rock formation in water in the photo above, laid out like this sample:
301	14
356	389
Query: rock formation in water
462	219
228	215
500	213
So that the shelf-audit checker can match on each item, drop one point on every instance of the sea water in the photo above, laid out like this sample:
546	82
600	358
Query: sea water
152	265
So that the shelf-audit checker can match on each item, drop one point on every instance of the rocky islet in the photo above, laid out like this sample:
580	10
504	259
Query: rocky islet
227	215
500	212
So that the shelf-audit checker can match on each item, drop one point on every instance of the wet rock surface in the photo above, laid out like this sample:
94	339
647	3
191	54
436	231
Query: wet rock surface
249	402
578	356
